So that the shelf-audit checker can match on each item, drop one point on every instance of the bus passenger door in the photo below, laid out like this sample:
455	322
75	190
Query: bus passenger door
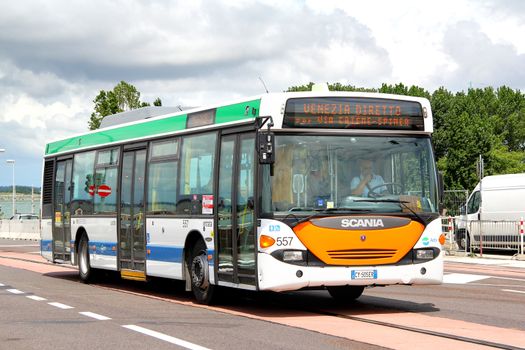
235	213
62	215
131	228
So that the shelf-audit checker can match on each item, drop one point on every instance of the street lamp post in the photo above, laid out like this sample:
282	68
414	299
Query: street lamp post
2	150
12	162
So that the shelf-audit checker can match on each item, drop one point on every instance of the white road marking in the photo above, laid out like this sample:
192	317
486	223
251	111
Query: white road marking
37	298
2	285
514	291
15	291
61	306
165	337
462	278
95	316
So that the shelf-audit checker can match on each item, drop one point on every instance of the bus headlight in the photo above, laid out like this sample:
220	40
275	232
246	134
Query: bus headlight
424	254
292	255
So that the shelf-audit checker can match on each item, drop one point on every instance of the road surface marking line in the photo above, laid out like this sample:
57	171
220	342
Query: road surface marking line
165	337
2	285
35	297
15	291
513	291
462	278
95	316
61	306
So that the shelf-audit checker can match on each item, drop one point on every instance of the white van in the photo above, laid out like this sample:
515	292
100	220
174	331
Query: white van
493	212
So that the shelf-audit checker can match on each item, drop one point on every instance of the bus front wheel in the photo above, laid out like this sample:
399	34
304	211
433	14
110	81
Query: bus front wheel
346	293
202	289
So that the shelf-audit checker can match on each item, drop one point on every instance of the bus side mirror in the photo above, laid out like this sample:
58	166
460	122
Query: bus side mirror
266	146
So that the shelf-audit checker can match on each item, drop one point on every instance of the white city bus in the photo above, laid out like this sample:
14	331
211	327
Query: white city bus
282	191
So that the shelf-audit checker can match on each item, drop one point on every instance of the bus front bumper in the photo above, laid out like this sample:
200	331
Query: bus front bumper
275	275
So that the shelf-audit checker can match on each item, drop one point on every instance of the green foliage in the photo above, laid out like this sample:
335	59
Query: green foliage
123	97
483	122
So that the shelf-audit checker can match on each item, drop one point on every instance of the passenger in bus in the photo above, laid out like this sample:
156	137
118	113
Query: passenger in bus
367	180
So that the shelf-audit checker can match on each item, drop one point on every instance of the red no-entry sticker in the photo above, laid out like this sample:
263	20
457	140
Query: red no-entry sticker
104	190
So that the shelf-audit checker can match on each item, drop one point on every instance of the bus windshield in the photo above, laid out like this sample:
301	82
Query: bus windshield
377	174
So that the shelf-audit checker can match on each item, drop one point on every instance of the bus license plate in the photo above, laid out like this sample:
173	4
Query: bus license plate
364	274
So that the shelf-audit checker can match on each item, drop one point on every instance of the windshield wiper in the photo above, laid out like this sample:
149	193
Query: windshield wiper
396	201
323	212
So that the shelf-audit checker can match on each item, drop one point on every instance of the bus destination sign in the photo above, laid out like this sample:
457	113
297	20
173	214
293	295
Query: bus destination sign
353	113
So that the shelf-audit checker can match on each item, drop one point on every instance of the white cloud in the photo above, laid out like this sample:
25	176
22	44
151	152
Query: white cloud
56	56
480	61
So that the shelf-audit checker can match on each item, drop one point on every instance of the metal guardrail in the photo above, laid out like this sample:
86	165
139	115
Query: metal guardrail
477	235
25	229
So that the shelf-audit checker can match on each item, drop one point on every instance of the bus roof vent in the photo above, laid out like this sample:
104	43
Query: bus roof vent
137	114
320	87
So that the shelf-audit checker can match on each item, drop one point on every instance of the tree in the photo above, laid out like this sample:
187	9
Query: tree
123	97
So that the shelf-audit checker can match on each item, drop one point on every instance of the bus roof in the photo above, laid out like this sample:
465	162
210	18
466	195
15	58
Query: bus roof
238	112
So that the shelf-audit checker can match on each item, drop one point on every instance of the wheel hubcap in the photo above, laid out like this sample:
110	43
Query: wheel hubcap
199	272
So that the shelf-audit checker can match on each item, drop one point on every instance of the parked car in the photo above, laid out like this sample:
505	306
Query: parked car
21	217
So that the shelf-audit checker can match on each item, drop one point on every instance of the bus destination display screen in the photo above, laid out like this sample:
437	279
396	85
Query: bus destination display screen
353	113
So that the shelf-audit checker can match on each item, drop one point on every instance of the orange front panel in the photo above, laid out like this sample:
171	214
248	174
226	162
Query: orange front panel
358	246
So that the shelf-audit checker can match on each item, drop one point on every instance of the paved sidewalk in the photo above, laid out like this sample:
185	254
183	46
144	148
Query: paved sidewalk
487	259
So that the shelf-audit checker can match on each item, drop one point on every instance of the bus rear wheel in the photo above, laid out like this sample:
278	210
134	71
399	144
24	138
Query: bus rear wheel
202	289
346	293
84	267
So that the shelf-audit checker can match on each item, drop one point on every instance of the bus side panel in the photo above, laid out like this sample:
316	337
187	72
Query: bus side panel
46	239
102	235
165	239
164	245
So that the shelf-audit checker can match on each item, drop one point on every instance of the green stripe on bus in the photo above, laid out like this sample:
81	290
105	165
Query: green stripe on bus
224	114
237	112
119	134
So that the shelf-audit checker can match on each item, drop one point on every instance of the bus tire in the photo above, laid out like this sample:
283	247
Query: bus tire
84	267
346	293
201	287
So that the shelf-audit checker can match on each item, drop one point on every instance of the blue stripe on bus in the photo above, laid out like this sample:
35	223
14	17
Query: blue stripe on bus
103	248
169	253
165	253
156	252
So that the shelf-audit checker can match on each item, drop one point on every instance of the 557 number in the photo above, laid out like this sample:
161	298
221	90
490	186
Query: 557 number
283	241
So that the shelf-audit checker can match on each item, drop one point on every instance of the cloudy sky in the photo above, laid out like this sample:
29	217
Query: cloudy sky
55	56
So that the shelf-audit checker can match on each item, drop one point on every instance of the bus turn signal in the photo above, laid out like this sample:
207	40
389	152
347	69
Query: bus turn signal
266	241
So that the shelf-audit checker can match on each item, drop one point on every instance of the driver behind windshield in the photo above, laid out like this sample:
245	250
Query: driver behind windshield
367	180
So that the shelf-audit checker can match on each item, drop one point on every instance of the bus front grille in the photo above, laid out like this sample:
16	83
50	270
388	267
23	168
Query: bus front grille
356	254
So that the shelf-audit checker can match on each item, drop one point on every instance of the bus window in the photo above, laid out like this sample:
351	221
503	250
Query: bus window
82	201
196	175
106	179
162	177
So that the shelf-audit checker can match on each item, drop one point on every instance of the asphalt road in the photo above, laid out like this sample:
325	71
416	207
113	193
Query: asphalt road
118	314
